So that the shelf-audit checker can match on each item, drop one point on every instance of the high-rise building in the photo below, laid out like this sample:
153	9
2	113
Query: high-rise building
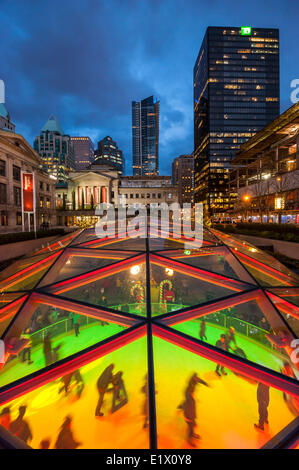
5	122
183	177
55	149
145	133
108	153
236	93
83	152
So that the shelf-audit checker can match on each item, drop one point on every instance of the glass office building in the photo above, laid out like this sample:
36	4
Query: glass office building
236	93
145	134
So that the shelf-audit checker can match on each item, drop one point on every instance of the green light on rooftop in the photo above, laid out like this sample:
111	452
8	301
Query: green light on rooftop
245	31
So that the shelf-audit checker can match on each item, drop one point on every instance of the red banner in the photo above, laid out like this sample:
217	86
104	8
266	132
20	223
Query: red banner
28	192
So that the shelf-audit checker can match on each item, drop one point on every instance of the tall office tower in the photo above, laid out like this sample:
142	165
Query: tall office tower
83	152
236	93
109	153
183	177
145	133
55	149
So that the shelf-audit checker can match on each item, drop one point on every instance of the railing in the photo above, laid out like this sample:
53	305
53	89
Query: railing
58	328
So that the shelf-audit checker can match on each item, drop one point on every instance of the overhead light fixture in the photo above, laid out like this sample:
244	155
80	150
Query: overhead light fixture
135	270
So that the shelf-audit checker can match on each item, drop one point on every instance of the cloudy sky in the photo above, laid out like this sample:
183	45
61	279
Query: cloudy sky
86	60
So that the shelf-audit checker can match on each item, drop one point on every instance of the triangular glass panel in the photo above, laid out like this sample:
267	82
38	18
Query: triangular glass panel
288	310
247	325
221	409
175	286
8	311
48	247
291	294
120	287
25	276
94	406
266	269
75	261
216	259
125	243
48	329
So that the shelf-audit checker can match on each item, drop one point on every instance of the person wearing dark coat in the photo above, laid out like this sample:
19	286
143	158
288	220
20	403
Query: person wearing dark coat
263	402
47	348
103	382
189	407
20	428
202	331
65	439
221	344
120	396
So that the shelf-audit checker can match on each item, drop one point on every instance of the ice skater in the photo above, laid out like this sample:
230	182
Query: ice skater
65	439
47	349
26	353
189	407
120	396
263	402
202	330
230	338
20	427
221	344
103	382
5	417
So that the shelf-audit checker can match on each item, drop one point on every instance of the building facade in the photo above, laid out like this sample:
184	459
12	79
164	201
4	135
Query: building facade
236	93
5	122
265	172
183	177
77	199
109	153
147	190
83	152
56	150
145	136
16	155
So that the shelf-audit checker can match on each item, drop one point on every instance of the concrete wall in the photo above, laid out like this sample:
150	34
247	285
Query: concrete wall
14	250
289	249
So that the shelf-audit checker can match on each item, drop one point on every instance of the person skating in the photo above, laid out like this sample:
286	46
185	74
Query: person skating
189	407
47	349
102	385
75	318
5	417
26	353
221	344
202	331
20	427
65	439
263	402
120	396
230	338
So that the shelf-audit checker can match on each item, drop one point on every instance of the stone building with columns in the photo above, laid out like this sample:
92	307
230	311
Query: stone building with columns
16	155
77	199
265	172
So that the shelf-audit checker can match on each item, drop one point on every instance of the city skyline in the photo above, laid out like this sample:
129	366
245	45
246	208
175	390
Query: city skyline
145	67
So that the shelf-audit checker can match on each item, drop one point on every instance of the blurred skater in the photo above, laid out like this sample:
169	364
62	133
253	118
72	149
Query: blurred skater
45	444
75	318
20	427
263	402
65	439
145	410
102	385
47	349
120	397
66	380
5	417
221	344
26	353
230	338
202	331
189	407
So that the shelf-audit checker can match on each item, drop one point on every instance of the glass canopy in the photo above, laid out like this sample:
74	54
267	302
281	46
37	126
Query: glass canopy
134	343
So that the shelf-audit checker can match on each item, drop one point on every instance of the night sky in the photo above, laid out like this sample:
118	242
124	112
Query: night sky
86	60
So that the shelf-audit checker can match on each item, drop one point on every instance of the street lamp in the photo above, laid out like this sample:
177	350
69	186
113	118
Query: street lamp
246	199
